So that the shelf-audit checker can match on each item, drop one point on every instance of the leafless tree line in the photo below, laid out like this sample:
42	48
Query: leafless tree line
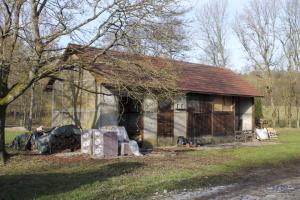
269	33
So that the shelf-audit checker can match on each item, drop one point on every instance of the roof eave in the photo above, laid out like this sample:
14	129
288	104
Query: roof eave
221	94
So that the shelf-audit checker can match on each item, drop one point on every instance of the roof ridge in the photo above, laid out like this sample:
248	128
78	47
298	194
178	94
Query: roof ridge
148	56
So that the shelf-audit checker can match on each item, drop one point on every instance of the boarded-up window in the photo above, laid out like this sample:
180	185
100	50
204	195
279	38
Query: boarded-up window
199	103
218	104
222	104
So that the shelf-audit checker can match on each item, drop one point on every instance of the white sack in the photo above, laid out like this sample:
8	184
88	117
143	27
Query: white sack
134	147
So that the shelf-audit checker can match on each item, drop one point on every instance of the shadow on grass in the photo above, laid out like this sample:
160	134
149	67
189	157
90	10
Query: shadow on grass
35	185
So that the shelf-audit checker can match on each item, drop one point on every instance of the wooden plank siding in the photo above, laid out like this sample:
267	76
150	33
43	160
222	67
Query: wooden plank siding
210	116
223	123
253	114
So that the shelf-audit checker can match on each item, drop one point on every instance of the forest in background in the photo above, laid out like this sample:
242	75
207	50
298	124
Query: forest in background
287	106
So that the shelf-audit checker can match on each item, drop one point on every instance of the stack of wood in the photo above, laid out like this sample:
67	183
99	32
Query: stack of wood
244	136
273	134
262	123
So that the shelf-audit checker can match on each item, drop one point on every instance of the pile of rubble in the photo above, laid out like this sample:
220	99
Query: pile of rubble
52	140
108	141
263	132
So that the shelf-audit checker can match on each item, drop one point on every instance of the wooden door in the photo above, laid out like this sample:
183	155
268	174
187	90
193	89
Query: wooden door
199	117
199	124
165	124
223	123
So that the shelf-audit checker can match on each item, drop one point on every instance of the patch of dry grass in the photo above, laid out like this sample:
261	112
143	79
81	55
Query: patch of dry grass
52	177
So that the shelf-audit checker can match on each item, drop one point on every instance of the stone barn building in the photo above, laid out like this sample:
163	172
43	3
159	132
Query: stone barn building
214	105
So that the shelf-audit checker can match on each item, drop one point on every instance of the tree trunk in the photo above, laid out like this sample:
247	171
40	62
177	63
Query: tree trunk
3	92
3	153
290	114
278	116
24	115
273	109
297	106
31	108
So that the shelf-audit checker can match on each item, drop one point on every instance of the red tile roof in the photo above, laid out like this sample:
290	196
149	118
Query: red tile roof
192	77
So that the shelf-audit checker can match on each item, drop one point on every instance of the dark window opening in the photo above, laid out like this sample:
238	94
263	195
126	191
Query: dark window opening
131	118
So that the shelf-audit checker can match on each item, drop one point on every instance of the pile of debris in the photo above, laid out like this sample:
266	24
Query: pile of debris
51	140
263	132
108	141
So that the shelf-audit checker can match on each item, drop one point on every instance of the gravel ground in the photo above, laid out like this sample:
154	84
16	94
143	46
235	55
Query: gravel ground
263	184
286	189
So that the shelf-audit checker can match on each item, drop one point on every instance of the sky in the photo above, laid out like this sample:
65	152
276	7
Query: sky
236	57
237	60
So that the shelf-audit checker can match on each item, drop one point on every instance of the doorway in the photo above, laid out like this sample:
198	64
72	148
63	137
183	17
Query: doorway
131	117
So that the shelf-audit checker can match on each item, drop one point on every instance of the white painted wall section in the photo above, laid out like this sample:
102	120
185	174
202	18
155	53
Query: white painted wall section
246	111
180	117
109	108
150	122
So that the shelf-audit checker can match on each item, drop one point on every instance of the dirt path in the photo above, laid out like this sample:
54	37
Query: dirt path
263	184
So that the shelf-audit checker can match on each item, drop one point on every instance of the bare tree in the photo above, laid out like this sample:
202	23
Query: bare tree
37	26
31	108
166	38
212	27
297	103
256	29
289	36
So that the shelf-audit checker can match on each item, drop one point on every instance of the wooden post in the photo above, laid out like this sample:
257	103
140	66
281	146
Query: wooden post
253	117
212	118
233	109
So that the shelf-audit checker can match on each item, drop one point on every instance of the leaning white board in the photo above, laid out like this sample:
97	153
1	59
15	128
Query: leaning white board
262	134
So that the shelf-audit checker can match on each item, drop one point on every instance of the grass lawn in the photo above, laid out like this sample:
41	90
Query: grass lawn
51	177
